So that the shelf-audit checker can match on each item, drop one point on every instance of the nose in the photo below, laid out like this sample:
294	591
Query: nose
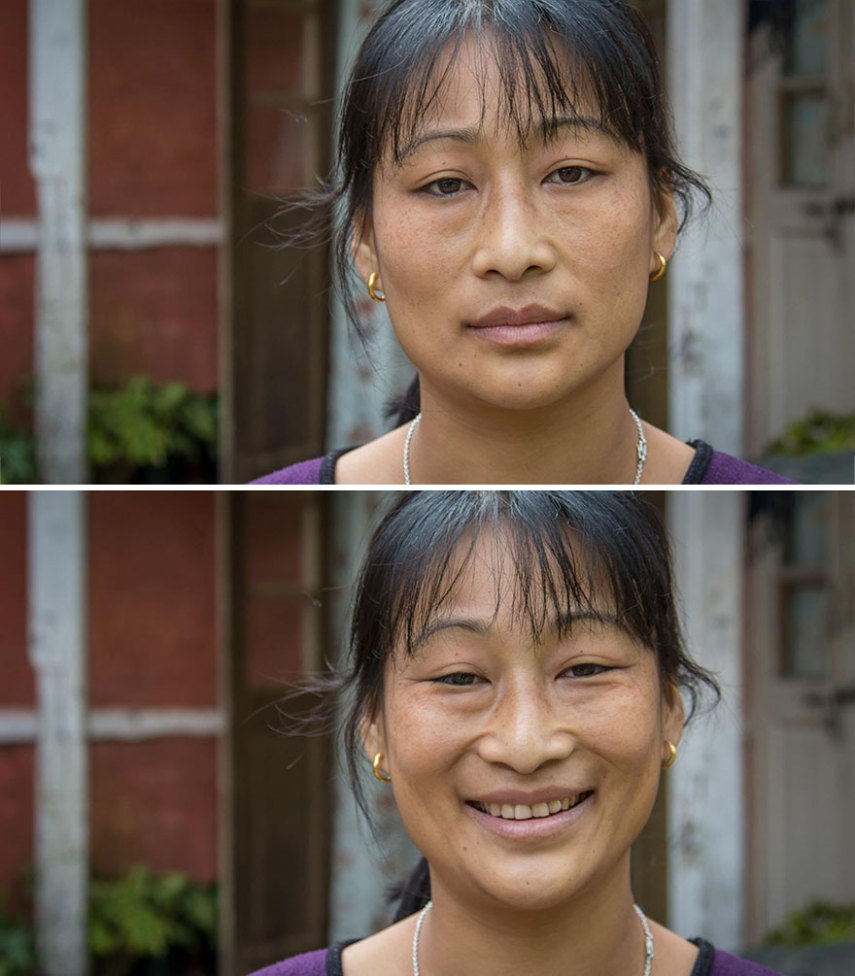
524	732
512	238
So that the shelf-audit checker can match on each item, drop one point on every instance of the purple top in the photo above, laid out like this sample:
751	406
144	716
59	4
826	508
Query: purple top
708	467
327	962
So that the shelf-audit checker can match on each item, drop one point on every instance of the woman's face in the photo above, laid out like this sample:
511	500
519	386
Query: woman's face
514	275
490	736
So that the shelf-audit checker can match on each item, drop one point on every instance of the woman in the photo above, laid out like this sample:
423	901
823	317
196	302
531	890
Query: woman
508	187
517	670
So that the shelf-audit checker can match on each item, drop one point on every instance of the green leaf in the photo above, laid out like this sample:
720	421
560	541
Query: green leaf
820	432
821	923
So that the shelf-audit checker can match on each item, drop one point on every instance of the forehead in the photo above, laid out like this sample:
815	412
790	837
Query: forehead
483	84
496	576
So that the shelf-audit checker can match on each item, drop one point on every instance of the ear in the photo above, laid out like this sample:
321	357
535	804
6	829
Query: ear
364	247
665	224
673	713
373	734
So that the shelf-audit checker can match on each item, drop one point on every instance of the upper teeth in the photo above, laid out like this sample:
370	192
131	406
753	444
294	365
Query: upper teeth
521	811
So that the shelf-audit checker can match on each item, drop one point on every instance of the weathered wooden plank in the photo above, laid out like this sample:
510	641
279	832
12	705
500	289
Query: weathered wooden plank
57	162
57	593
705	58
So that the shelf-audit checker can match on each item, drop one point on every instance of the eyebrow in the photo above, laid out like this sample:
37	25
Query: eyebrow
482	627
471	135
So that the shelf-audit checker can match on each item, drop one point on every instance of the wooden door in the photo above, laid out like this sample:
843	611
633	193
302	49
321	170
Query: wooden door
276	798
278	121
800	139
800	708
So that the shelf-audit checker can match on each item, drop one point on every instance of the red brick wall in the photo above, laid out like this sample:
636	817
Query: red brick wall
154	313
152	601
17	689
152	152
17	199
17	194
16	818
155	803
152	108
153	631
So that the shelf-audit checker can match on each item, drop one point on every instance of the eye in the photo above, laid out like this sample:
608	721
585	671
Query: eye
570	175
459	679
448	186
586	670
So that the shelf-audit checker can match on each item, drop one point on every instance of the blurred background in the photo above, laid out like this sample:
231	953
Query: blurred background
154	332
156	820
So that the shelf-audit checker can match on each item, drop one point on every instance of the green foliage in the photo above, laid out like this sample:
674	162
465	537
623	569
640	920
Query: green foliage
17	947
144	914
821	923
145	424
820	432
17	458
139	425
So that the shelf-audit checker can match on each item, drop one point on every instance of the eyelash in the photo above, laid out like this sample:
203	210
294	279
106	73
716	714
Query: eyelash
432	188
448	679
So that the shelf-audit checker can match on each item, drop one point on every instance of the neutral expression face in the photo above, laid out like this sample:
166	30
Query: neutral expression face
515	274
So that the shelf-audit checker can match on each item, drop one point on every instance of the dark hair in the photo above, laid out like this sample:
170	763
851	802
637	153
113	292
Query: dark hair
549	53
569	550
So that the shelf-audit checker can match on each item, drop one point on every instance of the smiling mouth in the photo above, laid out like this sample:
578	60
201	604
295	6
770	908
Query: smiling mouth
539	811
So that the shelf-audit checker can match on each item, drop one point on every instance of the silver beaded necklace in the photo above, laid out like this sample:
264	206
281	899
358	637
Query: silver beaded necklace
640	447
648	939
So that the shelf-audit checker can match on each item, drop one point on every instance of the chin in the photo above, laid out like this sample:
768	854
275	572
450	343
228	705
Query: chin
521	394
536	887
532	894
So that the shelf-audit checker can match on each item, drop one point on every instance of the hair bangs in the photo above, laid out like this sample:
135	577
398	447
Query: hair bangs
550	73
560	565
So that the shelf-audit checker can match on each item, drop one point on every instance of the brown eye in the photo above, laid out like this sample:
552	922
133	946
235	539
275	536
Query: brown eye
586	670
571	175
460	679
448	187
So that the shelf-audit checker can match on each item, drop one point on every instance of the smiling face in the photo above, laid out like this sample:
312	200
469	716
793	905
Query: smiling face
516	273
524	767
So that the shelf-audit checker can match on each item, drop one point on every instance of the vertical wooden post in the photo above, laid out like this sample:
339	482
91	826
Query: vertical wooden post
57	161
57	594
705	70
361	381
706	858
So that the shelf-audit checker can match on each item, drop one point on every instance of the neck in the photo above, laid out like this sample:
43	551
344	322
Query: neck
589	440
600	933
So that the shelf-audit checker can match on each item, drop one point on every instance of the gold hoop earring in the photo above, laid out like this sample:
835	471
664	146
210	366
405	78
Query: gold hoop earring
672	758
663	264
381	774
376	296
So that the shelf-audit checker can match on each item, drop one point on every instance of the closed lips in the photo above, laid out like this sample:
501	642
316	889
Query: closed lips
522	811
528	315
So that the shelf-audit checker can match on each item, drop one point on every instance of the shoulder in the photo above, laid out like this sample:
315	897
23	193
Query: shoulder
724	964
308	964
712	467
304	473
317	471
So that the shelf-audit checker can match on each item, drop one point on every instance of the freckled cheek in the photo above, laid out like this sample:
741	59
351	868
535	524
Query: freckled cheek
626	741
414	250
422	739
